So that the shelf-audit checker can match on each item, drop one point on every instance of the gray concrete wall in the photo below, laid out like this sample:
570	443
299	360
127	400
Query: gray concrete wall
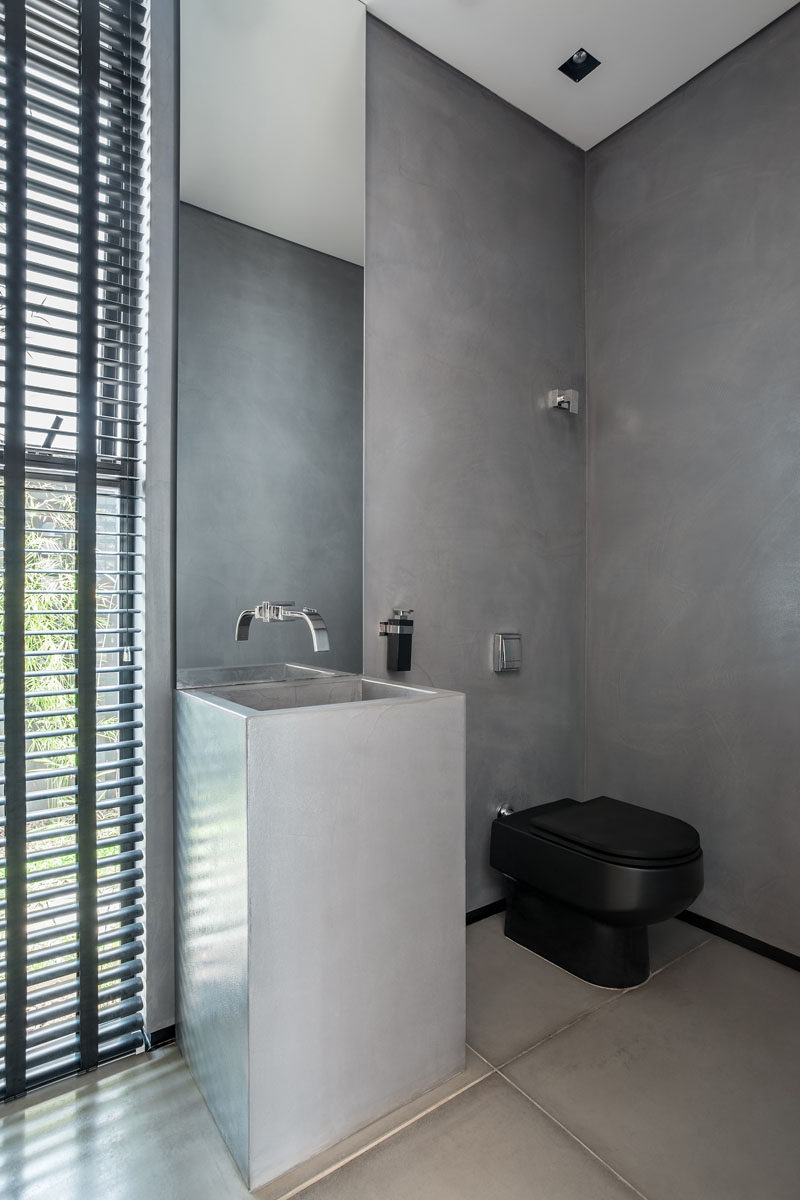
269	488
694	513
475	499
159	494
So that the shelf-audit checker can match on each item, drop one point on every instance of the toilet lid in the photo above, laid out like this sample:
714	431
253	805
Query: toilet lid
619	830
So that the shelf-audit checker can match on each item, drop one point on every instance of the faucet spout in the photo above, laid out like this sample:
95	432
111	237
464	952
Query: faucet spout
243	624
319	630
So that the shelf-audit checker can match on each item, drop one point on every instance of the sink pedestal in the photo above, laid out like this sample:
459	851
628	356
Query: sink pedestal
321	906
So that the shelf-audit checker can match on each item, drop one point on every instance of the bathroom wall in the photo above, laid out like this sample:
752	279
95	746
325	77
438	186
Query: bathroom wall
269	475
159	489
694	480
475	497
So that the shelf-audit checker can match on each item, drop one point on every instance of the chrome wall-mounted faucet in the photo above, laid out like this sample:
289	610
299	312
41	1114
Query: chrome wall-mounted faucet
284	612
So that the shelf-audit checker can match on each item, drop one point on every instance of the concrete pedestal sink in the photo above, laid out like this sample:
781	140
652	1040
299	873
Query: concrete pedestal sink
320	824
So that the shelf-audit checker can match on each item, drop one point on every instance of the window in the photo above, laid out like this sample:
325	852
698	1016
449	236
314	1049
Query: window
73	273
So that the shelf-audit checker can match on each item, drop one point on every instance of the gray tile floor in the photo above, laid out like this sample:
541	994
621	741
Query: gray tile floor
686	1088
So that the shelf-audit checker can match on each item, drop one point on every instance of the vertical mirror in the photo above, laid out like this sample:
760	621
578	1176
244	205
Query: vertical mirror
269	429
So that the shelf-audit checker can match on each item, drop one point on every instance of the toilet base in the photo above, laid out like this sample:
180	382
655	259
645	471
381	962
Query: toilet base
612	956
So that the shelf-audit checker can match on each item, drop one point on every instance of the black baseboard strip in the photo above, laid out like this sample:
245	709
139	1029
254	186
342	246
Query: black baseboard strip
162	1037
488	910
755	945
742	939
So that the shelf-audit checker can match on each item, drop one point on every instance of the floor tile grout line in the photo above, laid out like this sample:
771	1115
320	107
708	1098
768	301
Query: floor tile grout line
561	1029
482	1057
301	1187
573	1136
680	958
589	1011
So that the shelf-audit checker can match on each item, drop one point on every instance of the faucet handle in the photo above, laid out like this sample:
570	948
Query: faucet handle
269	611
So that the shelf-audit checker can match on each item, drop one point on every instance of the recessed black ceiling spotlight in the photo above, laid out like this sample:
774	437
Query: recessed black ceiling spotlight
578	66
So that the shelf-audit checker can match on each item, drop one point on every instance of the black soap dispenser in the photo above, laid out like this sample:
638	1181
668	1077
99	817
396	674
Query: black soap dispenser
398	631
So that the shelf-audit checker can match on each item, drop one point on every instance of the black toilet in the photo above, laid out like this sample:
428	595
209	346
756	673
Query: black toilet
585	880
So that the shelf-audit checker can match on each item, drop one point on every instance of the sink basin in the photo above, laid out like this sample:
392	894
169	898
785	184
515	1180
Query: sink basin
194	677
320	883
297	691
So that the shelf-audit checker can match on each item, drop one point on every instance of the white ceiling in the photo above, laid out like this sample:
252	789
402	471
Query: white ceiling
647	48
272	117
272	91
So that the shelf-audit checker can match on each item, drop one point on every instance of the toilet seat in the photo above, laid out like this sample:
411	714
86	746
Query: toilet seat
613	831
651	870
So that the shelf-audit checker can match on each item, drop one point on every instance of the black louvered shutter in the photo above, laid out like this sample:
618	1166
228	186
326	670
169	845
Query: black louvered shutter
73	274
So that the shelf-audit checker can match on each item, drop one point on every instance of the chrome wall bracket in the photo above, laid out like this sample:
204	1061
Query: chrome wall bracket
566	399
400	623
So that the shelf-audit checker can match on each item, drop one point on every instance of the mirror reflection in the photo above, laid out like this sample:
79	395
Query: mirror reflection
269	428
